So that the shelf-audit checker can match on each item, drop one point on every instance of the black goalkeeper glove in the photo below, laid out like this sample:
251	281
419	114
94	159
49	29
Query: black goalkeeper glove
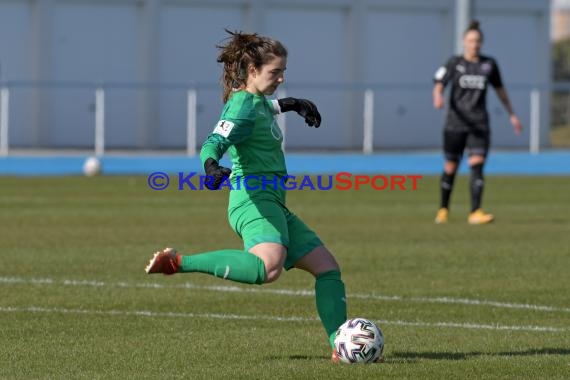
307	109
216	173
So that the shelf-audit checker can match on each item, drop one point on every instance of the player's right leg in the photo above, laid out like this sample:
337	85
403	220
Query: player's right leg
263	227
453	146
228	264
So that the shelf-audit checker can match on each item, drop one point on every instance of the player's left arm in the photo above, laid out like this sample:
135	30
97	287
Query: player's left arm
497	83
307	109
502	94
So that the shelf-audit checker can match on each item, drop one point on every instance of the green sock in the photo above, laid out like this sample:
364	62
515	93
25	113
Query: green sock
229	264
331	302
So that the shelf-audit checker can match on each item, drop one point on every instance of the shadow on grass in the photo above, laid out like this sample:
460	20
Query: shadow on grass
468	355
399	357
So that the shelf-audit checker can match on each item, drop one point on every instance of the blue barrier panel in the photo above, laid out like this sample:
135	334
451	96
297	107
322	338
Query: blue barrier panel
499	163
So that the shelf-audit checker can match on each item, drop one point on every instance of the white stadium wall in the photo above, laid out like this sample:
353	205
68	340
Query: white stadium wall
338	48
518	36
17	61
404	115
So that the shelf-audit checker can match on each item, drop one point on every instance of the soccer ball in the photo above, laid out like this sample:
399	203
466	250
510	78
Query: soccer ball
359	340
91	167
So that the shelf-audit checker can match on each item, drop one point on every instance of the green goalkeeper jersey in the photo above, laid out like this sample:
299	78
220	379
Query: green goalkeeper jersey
249	131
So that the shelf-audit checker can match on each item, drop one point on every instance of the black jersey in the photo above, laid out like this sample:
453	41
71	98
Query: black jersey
467	101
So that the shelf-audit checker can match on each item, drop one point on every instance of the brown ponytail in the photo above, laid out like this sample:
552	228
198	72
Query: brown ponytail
474	26
241	51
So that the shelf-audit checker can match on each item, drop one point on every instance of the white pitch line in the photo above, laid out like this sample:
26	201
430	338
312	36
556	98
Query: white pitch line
287	292
147	313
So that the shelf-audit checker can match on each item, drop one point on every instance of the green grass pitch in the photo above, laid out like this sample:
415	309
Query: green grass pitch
454	301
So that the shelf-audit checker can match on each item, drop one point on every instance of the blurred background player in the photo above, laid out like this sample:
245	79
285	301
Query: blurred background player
467	121
274	238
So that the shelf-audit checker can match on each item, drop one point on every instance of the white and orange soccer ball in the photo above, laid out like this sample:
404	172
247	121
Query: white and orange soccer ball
359	340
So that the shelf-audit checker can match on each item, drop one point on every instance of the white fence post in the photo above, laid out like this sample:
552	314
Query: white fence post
368	142
99	121
191	117
4	119
281	120
534	138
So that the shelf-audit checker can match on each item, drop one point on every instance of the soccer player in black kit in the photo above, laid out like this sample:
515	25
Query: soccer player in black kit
467	122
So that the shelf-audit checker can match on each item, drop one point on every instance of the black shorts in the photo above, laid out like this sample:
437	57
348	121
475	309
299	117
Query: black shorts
476	141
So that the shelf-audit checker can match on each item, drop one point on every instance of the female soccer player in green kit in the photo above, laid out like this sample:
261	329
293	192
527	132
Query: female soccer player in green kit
274	237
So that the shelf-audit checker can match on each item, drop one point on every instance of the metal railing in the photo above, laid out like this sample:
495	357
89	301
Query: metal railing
368	91
560	115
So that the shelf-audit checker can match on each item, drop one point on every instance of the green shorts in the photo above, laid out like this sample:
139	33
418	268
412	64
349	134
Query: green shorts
268	221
